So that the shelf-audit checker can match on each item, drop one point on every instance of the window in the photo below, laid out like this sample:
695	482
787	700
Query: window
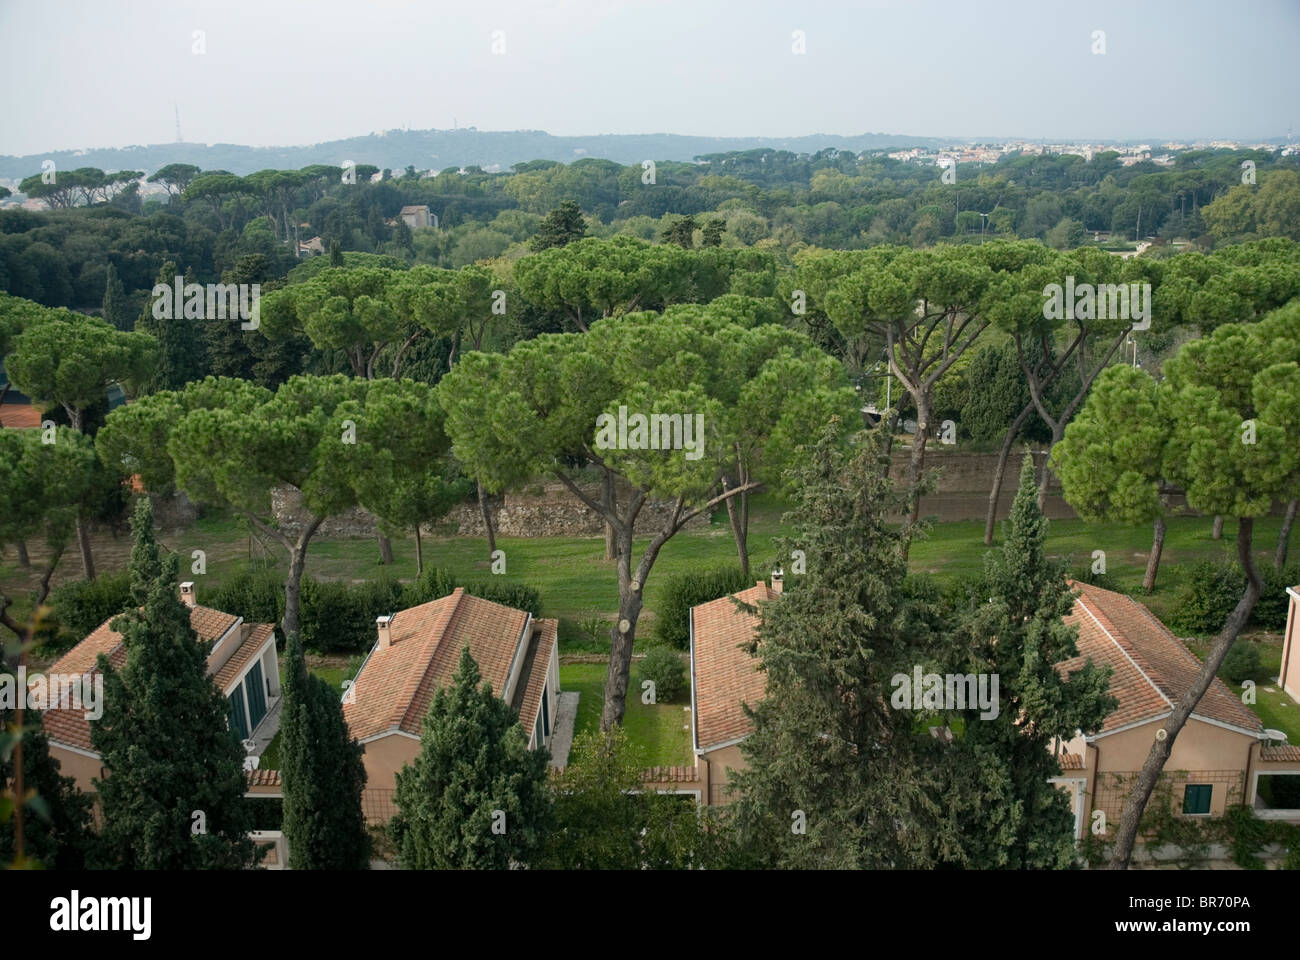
238	721
256	689
546	713
1196	798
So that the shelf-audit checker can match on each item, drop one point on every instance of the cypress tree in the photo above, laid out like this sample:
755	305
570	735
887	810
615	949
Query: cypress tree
322	774
230	349
173	797
476	797
116	309
560	227
181	354
837	778
1011	817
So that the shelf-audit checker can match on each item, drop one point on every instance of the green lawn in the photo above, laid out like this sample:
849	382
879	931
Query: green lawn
1273	707
661	731
576	581
331	674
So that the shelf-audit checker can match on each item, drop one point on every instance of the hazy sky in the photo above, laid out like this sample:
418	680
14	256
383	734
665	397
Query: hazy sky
105	73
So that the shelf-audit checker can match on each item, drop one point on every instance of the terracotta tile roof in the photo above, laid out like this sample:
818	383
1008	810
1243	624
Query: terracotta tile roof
19	416
532	678
1152	667
670	775
1070	761
723	674
1285	752
264	778
249	647
395	686
70	727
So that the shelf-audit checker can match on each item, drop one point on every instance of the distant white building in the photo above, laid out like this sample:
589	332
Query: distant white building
418	216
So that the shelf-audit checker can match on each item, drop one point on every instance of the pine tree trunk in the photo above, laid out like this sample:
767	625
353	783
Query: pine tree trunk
1008	441
630	589
385	550
607	497
486	510
1135	804
738	514
917	459
83	541
1217	532
24	560
1157	548
1057	431
419	552
1284	536
293	580
293	591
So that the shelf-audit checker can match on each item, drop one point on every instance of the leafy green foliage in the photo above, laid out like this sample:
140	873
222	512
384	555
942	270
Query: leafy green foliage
666	670
82	605
1242	662
604	821
69	359
339	617
1208	593
1210	589
518	595
560	227
255	594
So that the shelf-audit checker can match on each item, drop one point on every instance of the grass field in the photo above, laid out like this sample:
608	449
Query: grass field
660	731
577	583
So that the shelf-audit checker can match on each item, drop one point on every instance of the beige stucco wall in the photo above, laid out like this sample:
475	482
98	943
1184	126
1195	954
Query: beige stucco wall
1200	746
1203	754
720	761
385	756
78	766
1290	672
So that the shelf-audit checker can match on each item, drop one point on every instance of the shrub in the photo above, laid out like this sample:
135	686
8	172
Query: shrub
1242	661
1084	574
517	595
1206	597
340	617
83	605
665	669
433	584
257	595
1211	590
963	594
1271	609
685	590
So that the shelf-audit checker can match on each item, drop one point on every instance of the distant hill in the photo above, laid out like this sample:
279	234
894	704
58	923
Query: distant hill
439	149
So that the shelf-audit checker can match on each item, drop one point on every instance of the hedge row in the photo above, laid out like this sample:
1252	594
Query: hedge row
339	617
82	605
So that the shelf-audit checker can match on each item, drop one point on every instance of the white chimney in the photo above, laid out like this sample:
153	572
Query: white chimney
385	631
187	593
778	581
